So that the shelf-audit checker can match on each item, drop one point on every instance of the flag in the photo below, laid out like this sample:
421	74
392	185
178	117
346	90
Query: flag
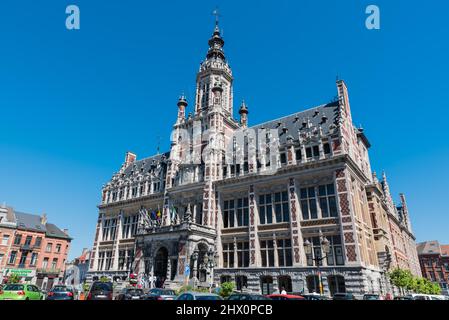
173	212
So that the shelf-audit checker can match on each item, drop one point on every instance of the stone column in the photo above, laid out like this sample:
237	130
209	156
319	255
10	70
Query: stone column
254	245
275	249
298	254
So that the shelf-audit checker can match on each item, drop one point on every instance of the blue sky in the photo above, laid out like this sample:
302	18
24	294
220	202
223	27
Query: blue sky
73	102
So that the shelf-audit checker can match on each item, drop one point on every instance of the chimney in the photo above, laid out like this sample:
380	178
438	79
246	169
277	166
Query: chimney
66	231
130	158
44	219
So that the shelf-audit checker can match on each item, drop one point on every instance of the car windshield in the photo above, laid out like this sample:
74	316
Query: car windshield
168	292
102	286
60	289
207	298
13	287
135	291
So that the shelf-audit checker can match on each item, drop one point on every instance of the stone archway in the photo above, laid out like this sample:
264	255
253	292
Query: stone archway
161	263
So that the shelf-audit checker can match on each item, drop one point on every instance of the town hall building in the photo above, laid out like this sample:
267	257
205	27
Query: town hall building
301	210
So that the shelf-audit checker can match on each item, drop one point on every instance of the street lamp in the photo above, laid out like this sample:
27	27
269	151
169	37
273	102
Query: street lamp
209	263
325	247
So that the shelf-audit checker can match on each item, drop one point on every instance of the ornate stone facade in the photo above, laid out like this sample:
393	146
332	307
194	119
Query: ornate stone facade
314	182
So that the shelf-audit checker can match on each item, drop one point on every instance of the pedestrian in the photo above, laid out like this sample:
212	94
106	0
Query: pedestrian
283	291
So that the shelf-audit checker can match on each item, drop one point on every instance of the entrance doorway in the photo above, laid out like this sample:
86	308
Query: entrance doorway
160	265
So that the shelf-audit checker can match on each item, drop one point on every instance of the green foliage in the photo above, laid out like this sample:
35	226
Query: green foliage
401	278
192	289
104	279
405	280
226	289
13	278
86	287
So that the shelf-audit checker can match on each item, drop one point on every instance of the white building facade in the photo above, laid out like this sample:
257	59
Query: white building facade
254	200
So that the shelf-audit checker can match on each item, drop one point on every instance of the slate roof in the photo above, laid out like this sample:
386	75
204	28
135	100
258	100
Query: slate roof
324	116
145	164
428	247
32	222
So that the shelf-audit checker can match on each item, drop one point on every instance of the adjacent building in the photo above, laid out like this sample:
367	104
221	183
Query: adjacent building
434	261
32	248
290	203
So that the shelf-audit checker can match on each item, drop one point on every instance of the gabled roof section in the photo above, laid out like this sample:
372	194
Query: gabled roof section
324	117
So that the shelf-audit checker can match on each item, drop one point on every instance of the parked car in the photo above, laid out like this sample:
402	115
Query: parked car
285	297
61	292
311	296
101	291
160	294
247	296
372	297
198	296
130	294
403	298
20	292
344	296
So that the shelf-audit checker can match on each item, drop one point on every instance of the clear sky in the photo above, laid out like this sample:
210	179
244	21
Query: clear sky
73	102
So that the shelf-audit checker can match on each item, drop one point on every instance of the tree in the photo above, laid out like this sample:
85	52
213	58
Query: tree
104	279
401	278
226	289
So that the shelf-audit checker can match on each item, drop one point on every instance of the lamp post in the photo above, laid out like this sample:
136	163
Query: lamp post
325	247
195	259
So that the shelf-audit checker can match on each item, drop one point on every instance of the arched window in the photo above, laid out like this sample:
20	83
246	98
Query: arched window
241	282
336	284
313	283
285	283
225	278
266	284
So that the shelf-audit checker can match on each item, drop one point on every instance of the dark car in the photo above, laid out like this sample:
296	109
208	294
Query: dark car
344	296
314	297
101	291
130	294
403	298
285	297
247	296
61	293
372	297
160	294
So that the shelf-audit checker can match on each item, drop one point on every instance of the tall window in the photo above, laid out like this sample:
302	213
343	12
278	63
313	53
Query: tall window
308	203
58	248
54	264
243	254
277	201
33	259
37	242
284	252
242	212
1	258
101	256
109	228
228	214
49	247
108	262
121	259
335	256
129	258
18	239
45	263
267	253
12	257
228	255
23	259
281	207
5	239
28	240
328	203
129	228
265	209
266	284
